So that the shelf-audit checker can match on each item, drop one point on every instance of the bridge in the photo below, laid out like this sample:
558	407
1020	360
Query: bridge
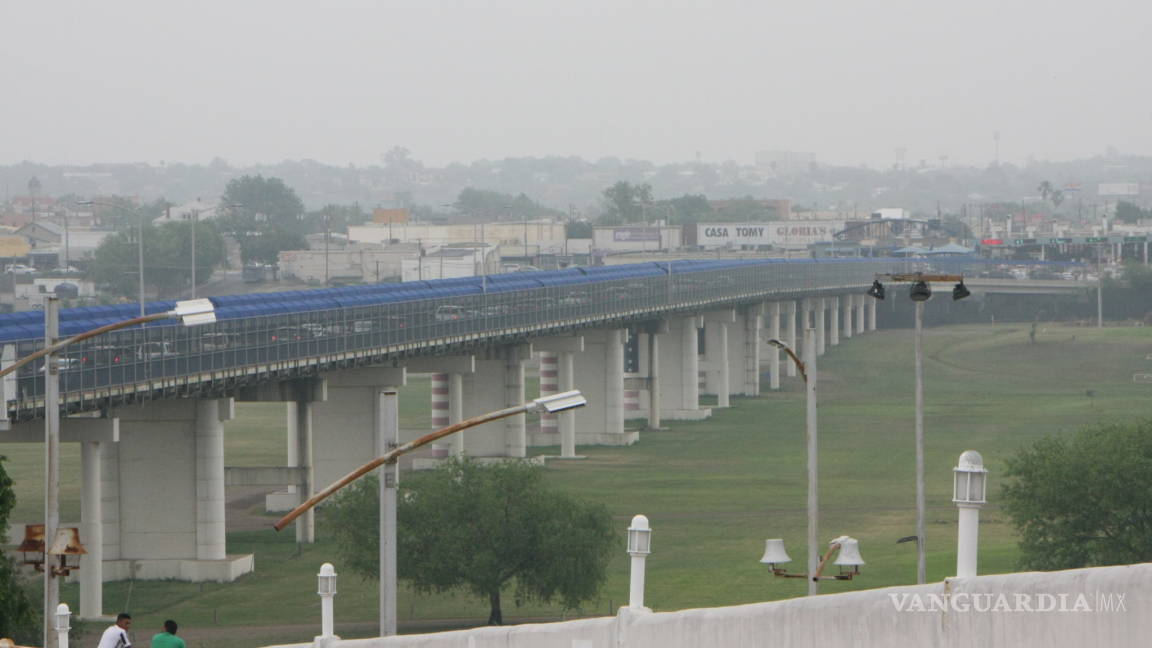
641	341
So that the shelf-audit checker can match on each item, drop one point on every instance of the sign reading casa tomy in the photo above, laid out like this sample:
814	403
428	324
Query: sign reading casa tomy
777	233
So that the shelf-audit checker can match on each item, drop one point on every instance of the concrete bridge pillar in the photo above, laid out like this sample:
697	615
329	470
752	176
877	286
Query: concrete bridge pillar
440	406
820	314
564	350
834	321
446	398
210	417
746	374
848	308
859	299
679	372
599	373
171	509
717	355
498	382
791	342
774	352
872	305
549	384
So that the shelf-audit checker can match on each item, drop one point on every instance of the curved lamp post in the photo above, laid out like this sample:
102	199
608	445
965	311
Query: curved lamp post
191	313
807	369
551	404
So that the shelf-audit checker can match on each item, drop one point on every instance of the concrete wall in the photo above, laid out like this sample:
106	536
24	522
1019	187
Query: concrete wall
861	619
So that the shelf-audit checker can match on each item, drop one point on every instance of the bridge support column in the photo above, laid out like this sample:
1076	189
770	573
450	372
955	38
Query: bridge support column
679	372
171	510
848	308
549	384
747	372
92	531
790	367
441	399
820	314
859	299
497	382
456	411
564	350
834	321
343	425
872	306
599	373
717	355
774	352
210	417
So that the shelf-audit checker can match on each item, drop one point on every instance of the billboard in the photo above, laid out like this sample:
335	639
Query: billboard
1118	189
795	234
625	234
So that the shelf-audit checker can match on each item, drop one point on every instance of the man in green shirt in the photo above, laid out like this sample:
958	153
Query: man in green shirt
168	638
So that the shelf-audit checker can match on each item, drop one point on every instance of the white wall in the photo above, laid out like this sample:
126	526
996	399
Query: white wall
853	620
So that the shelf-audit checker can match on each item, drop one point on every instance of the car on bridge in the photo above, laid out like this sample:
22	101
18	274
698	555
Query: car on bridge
451	313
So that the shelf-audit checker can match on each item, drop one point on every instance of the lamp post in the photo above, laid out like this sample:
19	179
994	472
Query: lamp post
639	546
63	616
326	588
807	369
969	481
139	241
920	292
192	312
551	404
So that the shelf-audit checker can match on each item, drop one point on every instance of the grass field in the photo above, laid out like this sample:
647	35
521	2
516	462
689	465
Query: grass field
713	490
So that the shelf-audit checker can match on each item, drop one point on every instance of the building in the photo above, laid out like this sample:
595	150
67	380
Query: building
355	263
635	238
523	239
450	262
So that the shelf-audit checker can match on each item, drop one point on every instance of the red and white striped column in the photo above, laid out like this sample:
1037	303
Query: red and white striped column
440	417
549	384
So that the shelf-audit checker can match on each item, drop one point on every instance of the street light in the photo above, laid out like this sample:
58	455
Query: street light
969	488
807	369
139	240
551	404
191	313
848	560
920	293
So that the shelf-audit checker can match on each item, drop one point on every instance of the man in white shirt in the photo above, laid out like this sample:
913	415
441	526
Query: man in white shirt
116	636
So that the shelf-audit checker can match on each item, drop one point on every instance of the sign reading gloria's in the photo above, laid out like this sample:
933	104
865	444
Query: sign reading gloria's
776	233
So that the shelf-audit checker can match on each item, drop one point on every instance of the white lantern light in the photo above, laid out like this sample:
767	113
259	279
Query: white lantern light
774	553
327	580
639	537
969	479
849	555
63	616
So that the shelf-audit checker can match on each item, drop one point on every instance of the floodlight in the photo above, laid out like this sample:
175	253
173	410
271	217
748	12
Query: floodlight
960	291
195	312
877	289
560	402
920	291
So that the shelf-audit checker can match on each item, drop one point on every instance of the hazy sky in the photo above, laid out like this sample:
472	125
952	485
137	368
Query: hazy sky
341	82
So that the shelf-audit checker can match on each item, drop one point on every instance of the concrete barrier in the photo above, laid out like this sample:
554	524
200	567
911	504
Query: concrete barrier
1103	606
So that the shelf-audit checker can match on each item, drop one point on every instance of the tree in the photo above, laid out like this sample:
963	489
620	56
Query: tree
167	258
494	205
626	203
1127	212
690	208
1082	500
18	616
261	214
482	528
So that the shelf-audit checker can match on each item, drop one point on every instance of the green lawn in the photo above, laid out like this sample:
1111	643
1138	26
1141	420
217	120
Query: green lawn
714	490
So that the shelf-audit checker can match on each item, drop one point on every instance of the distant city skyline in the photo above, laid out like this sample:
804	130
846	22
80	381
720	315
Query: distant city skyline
458	81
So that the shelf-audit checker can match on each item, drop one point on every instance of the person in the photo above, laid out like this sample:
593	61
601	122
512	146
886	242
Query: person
168	638
116	636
